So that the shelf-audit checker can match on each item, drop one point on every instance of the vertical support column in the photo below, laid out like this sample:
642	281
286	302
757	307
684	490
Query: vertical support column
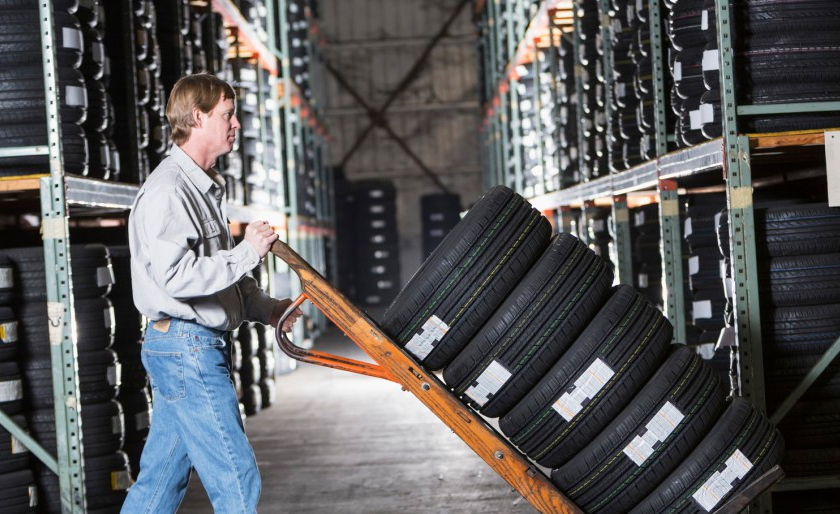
606	36
538	105
68	422
583	166
622	240
554	58
672	268
658	62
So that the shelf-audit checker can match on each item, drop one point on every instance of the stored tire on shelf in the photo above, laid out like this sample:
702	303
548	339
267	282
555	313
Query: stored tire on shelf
790	331
648	439
137	410
592	382
268	388
22	97
11	388
13	454
252	399
20	41
18	493
107	478
103	427
532	328
467	277
7	280
743	442
801	280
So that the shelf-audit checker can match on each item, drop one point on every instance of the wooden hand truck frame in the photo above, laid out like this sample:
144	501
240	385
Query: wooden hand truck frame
394	364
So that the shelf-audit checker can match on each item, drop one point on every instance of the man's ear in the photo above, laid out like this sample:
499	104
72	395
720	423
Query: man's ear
197	117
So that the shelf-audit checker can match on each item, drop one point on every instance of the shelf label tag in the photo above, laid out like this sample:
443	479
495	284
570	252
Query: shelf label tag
722	481
741	197
488	383
7	278
832	166
55	318
657	430
585	388
430	334
704	20
710	60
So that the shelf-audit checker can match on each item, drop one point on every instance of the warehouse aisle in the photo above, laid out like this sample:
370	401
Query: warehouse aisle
341	443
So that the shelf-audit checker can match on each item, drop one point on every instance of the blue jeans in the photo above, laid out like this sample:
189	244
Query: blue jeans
195	423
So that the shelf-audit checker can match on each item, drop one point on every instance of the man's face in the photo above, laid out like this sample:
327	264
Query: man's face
219	127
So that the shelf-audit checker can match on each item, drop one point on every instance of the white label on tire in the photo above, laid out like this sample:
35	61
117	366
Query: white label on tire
620	89
643	280
488	383
687	228
120	480
710	60
702	309
105	276
677	71
11	390
75	96
729	287
116	424
7	279
108	317
33	496
585	387
694	119
704	20
694	265
71	37
722	268
9	332
98	52
722	481
707	113
430	334
656	430
114	374
142	420
18	447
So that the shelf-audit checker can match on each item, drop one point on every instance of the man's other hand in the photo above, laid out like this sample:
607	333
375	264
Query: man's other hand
279	309
260	236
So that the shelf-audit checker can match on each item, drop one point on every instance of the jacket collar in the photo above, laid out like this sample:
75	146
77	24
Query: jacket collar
201	180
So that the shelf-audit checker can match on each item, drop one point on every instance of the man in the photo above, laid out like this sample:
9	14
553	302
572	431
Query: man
190	281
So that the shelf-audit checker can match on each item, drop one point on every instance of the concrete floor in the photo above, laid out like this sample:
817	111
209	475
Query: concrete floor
336	442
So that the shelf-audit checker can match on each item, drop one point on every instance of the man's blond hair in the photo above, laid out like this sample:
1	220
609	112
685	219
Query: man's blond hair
200	91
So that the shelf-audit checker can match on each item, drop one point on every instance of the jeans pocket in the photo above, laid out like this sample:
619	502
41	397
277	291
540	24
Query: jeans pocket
166	372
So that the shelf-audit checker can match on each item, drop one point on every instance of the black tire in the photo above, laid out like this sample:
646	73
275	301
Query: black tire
467	277
14	455
74	149
811	424
137	409
11	384
252	399
16	492
107	479
22	96
268	388
7	280
20	42
103	427
9	334
791	331
250	371
620	350
802	280
94	324
708	308
798	229
527	334
623	464
741	429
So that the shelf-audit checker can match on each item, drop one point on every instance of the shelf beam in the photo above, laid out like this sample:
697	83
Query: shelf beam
789	108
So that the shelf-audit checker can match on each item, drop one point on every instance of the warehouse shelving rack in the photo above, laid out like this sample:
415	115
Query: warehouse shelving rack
502	50
59	193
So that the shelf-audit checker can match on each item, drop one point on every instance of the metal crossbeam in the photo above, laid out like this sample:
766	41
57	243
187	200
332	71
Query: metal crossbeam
376	117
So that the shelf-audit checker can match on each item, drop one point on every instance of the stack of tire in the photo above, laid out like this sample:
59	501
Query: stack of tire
134	396
215	43
625	135
344	234
582	375
530	142
18	492
377	243
103	155
298	46
549	124
272	192
175	31
781	58
107	474
799	284
598	233
647	256
706	273
266	351
252	148
710	111
439	213
688	44
158	131
22	98
592	110
567	116
256	371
